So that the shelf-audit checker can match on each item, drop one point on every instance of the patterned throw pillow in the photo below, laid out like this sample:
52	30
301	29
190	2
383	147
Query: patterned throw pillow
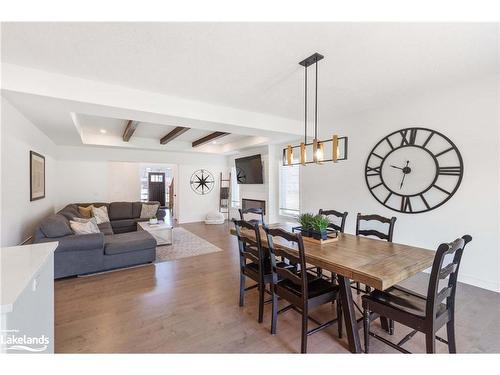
100	214
84	226
86	212
148	210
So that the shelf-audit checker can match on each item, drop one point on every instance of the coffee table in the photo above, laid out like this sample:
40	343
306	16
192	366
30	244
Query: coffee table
161	232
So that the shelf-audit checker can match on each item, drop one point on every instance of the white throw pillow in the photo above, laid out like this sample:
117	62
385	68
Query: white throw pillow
101	214
148	210
84	226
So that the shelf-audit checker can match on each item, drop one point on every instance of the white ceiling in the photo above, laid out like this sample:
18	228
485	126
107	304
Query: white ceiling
254	66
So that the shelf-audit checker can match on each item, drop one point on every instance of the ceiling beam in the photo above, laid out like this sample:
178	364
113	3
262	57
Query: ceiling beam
173	134
129	130
208	138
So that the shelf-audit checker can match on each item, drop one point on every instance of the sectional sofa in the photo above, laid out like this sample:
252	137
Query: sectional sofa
118	244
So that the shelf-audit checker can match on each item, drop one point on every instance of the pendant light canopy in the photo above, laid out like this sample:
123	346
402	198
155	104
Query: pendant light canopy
333	149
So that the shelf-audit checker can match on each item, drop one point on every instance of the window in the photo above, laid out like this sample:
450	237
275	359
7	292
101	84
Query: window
289	190
235	189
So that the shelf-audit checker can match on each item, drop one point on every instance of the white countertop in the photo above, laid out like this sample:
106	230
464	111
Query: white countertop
18	265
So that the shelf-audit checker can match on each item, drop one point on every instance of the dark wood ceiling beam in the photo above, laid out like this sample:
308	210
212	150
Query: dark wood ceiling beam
129	130
173	134
209	138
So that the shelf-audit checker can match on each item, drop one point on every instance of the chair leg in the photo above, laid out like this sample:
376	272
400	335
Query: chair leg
367	289
450	332
366	326
262	288
242	289
274	319
358	286
303	341
339	318
391	327
430	342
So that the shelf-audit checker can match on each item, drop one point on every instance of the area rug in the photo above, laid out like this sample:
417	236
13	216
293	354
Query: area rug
185	244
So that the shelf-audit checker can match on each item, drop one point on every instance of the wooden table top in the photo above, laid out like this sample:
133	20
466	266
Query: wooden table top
376	263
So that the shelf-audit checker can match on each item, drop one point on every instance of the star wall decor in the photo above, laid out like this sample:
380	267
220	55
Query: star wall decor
202	182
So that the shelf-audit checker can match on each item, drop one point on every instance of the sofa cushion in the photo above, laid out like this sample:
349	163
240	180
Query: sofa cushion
55	225
100	214
106	228
120	210
86	212
127	242
123	223
136	209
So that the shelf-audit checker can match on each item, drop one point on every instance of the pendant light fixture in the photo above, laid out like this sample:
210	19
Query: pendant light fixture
317	151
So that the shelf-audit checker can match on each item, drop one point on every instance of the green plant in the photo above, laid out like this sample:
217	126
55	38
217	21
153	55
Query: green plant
320	223
306	221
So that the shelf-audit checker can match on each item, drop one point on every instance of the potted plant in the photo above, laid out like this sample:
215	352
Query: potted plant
320	226
153	220
305	221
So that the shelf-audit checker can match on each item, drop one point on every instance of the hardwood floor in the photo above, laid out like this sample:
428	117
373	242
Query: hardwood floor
191	306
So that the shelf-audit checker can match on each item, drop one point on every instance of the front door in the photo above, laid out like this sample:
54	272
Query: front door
156	187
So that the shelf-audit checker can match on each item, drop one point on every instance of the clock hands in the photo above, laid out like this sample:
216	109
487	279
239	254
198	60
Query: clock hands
393	166
405	170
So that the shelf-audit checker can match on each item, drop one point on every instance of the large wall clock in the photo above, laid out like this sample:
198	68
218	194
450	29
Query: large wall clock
202	181
414	170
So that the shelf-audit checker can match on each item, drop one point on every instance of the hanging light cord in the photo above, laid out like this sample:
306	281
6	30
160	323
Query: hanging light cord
305	107
316	104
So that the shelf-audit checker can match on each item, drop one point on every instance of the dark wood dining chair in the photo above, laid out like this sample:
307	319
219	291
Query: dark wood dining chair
338	215
253	262
255	211
387	235
302	289
339	226
426	314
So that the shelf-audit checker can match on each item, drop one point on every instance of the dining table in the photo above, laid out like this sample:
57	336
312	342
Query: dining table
375	263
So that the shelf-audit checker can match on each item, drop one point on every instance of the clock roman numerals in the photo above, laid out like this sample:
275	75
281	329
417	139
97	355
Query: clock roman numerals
406	204
450	171
409	136
373	171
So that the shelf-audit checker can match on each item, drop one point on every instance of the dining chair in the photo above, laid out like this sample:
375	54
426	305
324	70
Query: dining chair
339	226
338	215
253	262
302	289
376	232
426	314
255	211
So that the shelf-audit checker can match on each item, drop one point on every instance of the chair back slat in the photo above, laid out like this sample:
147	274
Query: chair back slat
255	211
249	249
373	232
444	293
297	275
446	271
440	271
341	215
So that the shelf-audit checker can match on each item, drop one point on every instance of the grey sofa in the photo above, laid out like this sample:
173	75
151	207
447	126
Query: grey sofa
118	245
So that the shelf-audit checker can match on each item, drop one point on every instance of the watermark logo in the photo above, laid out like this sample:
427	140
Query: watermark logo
13	341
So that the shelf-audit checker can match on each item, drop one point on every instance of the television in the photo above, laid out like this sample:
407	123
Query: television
249	170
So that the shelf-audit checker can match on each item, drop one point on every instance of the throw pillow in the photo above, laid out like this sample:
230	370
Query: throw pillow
84	226
149	210
86	212
101	214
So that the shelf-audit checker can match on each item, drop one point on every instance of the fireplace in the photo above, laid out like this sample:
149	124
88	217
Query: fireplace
253	203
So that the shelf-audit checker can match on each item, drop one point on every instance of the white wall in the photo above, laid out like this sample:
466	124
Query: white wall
18	137
468	114
101	174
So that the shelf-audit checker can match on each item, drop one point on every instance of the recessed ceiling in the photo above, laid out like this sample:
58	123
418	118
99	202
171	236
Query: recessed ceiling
254	66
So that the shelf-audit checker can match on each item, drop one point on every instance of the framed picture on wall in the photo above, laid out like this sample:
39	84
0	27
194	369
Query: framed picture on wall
37	176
